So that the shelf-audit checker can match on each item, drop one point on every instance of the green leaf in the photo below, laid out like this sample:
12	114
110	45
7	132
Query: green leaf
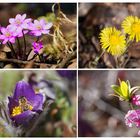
116	89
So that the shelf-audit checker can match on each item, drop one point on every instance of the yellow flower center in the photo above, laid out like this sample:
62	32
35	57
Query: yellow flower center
16	111
38	27
23	106
136	28
114	40
7	34
18	22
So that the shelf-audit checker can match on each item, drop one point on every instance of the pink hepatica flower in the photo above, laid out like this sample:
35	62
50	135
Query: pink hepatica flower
133	117
7	35
37	46
40	27
20	23
136	100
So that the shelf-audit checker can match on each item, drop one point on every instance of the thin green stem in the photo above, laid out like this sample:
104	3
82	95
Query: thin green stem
131	106
98	58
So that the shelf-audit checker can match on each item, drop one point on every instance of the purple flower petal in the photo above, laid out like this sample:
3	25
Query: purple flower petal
11	20
23	16
48	26
18	16
37	102
12	103
24	117
45	31
12	40
23	89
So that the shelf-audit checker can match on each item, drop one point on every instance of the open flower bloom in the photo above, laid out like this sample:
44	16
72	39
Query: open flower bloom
7	35
37	46
113	41
123	91
131	26
135	100
133	118
40	27
24	104
20	22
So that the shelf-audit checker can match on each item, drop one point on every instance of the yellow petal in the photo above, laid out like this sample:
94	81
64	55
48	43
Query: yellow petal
124	89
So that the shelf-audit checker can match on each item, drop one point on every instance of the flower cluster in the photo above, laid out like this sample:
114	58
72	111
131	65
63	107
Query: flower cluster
115	42
19	27
126	93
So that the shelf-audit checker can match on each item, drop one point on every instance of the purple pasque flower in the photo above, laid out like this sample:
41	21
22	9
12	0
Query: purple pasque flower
133	118
40	27
37	46
24	104
135	100
8	34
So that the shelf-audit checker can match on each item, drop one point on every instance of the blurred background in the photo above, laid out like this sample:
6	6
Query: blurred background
99	113
59	87
33	10
93	17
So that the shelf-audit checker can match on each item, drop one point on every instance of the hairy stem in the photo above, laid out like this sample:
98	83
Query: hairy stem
12	49
19	47
24	54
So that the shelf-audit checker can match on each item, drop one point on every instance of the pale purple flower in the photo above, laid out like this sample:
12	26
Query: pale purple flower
20	23
133	118
37	46
7	35
135	100
40	27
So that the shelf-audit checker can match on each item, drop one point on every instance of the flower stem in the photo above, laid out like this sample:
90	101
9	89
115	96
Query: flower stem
40	58
19	46
12	49
24	54
131	106
98	58
37	39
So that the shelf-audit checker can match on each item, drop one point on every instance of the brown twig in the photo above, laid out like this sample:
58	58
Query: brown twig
66	60
22	62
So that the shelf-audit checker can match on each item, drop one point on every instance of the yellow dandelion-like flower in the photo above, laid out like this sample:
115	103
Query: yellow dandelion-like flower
113	41
131	26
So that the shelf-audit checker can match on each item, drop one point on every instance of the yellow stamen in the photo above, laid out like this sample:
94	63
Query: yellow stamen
16	111
23	106
7	34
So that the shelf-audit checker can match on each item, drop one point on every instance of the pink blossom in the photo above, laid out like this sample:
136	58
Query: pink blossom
7	35
40	27
20	23
37	46
136	100
133	118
